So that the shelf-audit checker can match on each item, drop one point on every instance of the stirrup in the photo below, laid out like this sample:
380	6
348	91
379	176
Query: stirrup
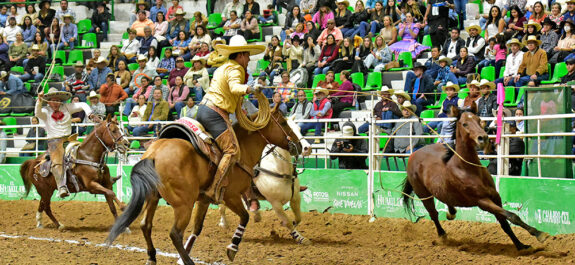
63	192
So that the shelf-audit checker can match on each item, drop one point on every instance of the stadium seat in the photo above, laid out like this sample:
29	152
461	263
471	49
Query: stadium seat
59	70
463	93
488	73
439	103
357	78
502	72
84	26
374	81
407	60
61	55
559	72
188	64
91	41
219	31
74	56
17	69
10	121
509	95
383	141
133	66
427	41
427	114
337	78
135	144
260	38
214	20
261	67
316	79
513	103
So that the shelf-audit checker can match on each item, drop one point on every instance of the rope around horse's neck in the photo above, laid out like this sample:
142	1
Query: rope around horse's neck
261	121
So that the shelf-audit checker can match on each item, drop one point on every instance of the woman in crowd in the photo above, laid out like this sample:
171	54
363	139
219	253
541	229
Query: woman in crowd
361	54
393	12
153	58
322	16
178	94
538	14
408	30
495	23
388	31
376	16
45	16
355	20
531	28
231	26
346	56
41	42
197	78
311	30
379	56
123	73
167	64
204	50
199	20
249	26
160	27
28	30
465	65
293	52
342	17
114	57
328	54
17	51
253	7
54	29
415	9
310	57
566	43
555	15
515	24
273	54
31	12
202	35
343	98
4	58
180	47
299	31
15	15
96	53
293	18
137	113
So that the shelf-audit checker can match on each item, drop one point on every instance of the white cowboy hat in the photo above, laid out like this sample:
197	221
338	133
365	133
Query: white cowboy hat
3	74
474	83
93	94
403	94
239	44
408	105
142	57
485	82
321	90
387	89
55	94
533	38
180	12
451	85
198	59
446	59
102	60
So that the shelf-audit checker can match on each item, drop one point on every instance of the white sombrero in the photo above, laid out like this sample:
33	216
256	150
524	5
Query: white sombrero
55	94
408	105
239	44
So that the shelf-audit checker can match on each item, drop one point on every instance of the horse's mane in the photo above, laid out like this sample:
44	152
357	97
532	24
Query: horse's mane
449	154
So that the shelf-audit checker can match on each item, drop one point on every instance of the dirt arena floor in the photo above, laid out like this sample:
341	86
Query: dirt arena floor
337	239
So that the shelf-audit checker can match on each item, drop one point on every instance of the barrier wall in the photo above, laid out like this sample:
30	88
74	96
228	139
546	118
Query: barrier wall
547	204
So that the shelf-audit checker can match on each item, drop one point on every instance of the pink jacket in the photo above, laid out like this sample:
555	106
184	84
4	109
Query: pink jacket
323	22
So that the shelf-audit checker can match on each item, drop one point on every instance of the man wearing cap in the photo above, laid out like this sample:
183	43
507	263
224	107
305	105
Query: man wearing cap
177	25
512	63
11	30
64	10
549	37
141	23
452	46
227	89
570	71
147	41
112	94
10	84
418	84
57	122
358	146
475	44
533	68
100	20
570	12
36	66
234	5
180	70
68	33
98	74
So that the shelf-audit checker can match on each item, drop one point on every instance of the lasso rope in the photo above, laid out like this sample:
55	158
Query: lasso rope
261	121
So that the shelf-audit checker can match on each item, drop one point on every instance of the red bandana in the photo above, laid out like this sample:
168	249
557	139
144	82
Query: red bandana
58	115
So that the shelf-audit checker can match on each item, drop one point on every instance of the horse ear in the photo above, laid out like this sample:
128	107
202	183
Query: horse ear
473	107
115	119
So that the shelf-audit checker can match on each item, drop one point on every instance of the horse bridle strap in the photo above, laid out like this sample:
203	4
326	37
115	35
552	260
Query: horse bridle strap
277	175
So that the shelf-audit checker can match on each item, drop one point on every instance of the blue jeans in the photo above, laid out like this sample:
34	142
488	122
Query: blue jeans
347	31
130	103
321	70
375	27
352	32
178	106
363	128
144	129
408	80
13	90
362	30
37	78
318	126
61	46
199	93
460	9
524	80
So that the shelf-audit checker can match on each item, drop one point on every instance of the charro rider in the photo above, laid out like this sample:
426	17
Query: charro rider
57	118
227	89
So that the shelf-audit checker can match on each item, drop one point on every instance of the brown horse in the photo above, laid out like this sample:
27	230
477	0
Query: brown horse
90	168
173	170
459	180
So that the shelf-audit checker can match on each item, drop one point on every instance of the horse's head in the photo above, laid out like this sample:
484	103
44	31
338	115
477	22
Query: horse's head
279	133
306	147
469	126
111	135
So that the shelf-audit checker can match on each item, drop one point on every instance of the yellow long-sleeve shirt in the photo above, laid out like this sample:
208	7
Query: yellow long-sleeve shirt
228	86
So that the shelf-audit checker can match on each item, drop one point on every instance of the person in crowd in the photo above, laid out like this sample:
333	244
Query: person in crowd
10	84
78	83
215	58
167	64
566	43
293	52
570	76
190	110
438	22
408	30
277	100
158	83
343	98
31	11
273	54
447	127
487	5
531	29
177	25
153	59
231	26
201	36
267	15
361	54
512	63
393	12
99	74
538	13
515	24
520	123
346	56
143	70
96	54
161	27
114	58
302	107
64	10
233	6
180	70
342	16
385	109
199	20
311	54
253	7
474	94
465	65
452	99
343	145
52	34
147	41
555	14
28	30
141	6
249	26
137	113
432	63
98	108
329	82
17	51
376	17
11	30
489	55
145	89
112	94
419	85
100	21
549	36
42	44
158	8
197	78
445	75
45	15
171	14
178	94
388	31
453	45
130	46
488	100
312	30
156	110
123	74
408	145
68	33
321	110
300	32
495	23
331	29
328	54
286	89
500	53
533	67
142	22
34	132
36	66
14	14
322	17
475	43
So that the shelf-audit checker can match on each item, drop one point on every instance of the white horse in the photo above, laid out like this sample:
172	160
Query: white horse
277	183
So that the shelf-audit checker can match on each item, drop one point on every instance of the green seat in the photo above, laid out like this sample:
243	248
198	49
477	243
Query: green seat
58	70
219	31
463	93
10	121
135	144
260	38
383	141
337	78
61	55
17	69
316	80
374	81
133	66
91	40
517	97
407	60
214	20
488	73
261	67
509	95
427	114
163	52
502	72
74	56
357	78
273	22
84	26
439	103
427	41
188	64
559	72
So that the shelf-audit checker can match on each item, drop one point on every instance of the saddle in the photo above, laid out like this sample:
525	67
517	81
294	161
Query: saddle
70	151
192	131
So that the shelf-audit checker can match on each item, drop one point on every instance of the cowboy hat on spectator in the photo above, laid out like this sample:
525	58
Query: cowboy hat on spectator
198	59
485	82
446	59
516	41
477	27
386	89
408	105
93	94
403	94
451	85
533	23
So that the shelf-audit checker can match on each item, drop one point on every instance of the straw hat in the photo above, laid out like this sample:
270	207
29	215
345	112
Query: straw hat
485	82
570	1
180	12
321	90
102	60
408	105
474	83
239	44
142	2
344	2
533	23
142	57
93	94
198	59
477	27
403	94
446	59
386	89
79	64
35	47
68	16
506	112
451	85
516	41
129	30
533	38
55	94
219	40
3	74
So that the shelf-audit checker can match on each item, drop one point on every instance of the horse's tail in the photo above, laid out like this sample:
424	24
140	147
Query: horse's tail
145	181
407	199
26	175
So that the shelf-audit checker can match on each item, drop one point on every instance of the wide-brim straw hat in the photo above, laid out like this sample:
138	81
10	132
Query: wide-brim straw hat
386	89
79	64
516	41
142	57
180	12
477	27
446	59
239	44
408	105
3	74
533	23
55	94
143	2
451	85
485	82
403	94
533	38
198	59
130	30
102	59
506	112
344	2
35	47
321	90
93	94
68	16
474	83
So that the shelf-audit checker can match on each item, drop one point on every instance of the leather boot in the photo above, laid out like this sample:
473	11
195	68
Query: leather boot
60	181
217	189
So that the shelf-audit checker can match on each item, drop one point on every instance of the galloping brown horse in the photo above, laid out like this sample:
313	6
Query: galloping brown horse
93	174
173	170
459	181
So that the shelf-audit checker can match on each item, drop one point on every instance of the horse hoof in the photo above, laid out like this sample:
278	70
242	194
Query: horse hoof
39	226
306	242
525	249
231	254
61	227
149	262
542	236
450	216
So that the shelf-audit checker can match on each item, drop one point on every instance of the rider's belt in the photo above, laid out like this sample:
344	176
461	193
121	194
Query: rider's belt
208	103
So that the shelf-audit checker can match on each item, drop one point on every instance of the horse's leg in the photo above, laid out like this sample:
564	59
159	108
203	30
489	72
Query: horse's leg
236	205
96	188
496	209
199	217
288	223
451	214
295	205
146	226
223	222
430	206
41	207
120	204
182	215
45	202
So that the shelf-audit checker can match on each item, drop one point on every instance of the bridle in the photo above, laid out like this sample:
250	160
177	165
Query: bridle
292	146
115	145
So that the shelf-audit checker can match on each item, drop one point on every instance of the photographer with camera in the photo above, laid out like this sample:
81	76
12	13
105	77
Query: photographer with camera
350	146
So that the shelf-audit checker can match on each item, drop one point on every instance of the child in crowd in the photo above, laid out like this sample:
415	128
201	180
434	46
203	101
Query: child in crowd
444	75
489	55
447	127
452	99
267	16
500	53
